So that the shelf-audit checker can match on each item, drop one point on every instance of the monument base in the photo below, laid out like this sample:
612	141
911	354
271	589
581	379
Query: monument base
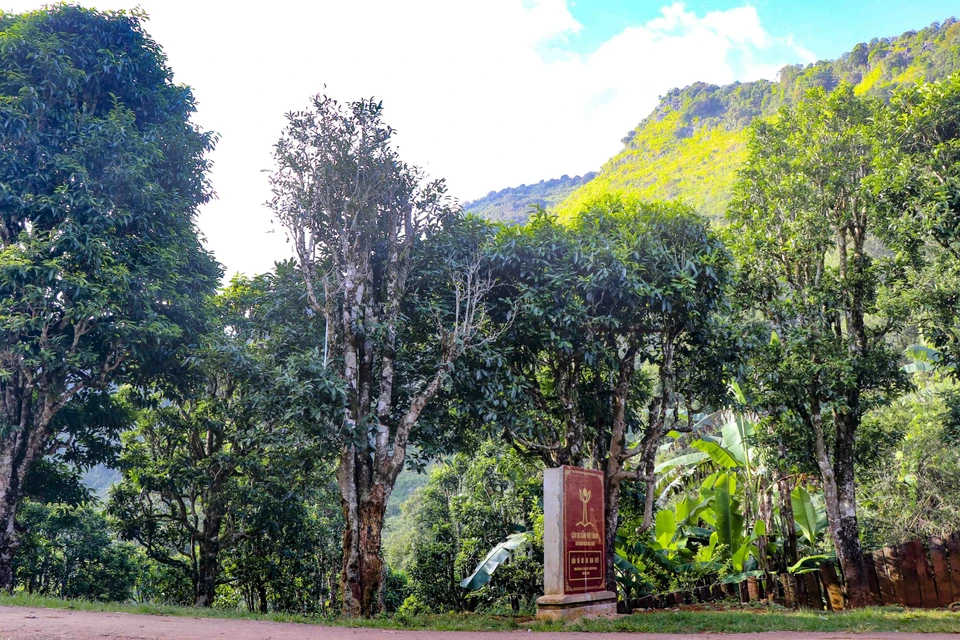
576	605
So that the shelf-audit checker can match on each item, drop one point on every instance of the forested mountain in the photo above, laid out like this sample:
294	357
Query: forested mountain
513	204
692	144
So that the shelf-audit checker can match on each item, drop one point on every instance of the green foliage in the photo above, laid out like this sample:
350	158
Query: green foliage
913	490
103	277
581	301
810	564
668	160
808	515
494	558
917	184
799	226
601	329
470	505
231	464
101	172
68	552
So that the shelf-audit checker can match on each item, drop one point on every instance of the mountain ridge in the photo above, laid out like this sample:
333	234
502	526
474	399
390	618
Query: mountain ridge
694	141
513	204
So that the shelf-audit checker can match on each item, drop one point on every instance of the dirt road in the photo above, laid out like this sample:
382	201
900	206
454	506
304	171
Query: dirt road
21	623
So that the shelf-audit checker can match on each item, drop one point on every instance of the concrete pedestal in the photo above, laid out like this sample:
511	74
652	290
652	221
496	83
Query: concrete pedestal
574	563
576	605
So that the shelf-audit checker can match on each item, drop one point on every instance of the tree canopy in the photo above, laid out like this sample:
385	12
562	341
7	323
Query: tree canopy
102	273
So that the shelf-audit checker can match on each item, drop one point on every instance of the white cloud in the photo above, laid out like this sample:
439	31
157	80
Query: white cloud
487	94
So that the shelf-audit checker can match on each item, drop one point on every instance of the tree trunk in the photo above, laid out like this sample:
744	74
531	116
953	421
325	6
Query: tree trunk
790	553
208	570
18	450
334	592
846	535
766	514
8	540
841	515
262	597
612	506
362	580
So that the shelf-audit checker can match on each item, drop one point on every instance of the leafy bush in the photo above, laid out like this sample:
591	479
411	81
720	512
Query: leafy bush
914	491
68	552
471	503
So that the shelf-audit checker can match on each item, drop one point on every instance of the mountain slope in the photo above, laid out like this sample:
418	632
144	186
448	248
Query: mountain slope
692	144
694	141
690	147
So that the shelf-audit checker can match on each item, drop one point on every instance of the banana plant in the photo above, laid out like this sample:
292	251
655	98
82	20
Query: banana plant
923	359
730	451
630	561
808	514
726	507
811	564
728	499
748	547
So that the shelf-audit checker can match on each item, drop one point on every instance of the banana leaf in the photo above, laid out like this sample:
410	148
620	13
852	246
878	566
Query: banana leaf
688	511
690	459
740	577
749	547
810	563
700	533
737	392
665	528
624	565
693	566
805	513
494	558
740	557
729	519
717	453
638	550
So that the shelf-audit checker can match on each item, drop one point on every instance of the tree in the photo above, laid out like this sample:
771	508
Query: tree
179	468
291	560
355	213
913	491
917	187
102	273
609	315
204	468
800	225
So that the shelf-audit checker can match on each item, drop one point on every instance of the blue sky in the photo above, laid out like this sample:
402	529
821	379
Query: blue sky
827	28
487	94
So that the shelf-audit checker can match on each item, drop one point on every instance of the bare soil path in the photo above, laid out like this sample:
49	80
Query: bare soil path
27	623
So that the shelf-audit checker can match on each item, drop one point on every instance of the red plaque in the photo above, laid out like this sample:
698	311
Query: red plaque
584	547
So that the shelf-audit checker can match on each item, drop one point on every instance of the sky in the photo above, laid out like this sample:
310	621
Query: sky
484	93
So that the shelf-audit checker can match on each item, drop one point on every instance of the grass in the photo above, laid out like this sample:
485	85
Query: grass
719	618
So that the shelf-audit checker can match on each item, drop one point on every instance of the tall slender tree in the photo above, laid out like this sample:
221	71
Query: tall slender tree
800	224
102	273
355	214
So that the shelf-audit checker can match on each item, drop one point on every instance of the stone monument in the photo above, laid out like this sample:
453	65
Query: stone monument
574	547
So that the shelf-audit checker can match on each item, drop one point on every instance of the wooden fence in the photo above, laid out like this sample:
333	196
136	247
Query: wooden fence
913	574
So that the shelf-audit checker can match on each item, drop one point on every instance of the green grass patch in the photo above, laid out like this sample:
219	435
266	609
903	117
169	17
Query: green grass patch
719	619
736	619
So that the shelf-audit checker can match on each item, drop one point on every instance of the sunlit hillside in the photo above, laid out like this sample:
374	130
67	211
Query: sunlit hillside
692	144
